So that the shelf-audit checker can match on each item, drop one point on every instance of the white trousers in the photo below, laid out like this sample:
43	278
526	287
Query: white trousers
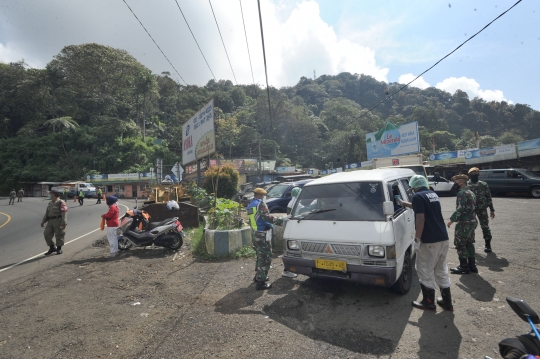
113	241
431	264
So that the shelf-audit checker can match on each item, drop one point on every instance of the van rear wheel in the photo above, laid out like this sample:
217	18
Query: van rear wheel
404	282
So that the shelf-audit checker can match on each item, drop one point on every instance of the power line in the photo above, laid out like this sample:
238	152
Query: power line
195	39
155	42
463	43
223	42
247	45
264	57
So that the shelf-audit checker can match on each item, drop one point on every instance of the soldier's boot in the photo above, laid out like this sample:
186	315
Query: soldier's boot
487	248
428	300
52	249
472	265
463	267
445	301
59	250
263	286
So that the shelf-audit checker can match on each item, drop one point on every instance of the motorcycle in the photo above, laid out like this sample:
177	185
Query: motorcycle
136	229
527	344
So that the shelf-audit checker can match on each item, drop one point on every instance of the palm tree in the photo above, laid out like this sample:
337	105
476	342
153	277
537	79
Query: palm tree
63	123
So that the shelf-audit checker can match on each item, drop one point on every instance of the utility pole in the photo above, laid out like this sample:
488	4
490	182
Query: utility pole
477	139
433	144
260	164
314	75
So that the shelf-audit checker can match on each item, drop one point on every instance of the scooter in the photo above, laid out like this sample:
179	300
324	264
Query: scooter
527	344
136	229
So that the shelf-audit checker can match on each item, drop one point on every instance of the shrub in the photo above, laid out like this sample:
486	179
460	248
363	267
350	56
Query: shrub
227	184
201	198
226	215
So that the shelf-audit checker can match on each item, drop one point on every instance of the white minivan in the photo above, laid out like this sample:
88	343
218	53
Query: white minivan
349	226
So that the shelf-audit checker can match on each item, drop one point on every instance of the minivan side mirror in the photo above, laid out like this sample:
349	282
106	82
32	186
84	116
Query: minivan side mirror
388	208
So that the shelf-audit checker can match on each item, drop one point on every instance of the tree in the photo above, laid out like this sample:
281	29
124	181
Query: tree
63	123
226	184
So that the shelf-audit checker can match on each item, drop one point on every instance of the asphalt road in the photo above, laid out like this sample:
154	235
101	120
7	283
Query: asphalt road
21	237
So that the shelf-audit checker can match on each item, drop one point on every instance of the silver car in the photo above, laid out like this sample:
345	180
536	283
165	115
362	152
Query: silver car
442	186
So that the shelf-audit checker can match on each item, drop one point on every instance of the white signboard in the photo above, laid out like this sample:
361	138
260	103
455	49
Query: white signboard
490	154
124	176
393	140
198	135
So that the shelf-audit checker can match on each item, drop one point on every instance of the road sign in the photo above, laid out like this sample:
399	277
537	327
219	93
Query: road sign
177	170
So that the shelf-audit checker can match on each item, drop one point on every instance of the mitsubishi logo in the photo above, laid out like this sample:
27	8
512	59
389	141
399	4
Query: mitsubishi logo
328	249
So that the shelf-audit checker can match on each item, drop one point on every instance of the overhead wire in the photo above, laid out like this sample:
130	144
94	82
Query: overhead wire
247	45
265	68
223	42
195	39
155	43
450	53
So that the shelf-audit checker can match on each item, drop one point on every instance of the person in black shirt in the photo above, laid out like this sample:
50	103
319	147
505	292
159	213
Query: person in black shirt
431	245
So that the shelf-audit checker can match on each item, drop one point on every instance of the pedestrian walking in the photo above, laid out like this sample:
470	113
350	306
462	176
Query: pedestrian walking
20	194
431	244
99	193
465	219
64	193
262	224
483	201
81	197
56	219
12	195
112	224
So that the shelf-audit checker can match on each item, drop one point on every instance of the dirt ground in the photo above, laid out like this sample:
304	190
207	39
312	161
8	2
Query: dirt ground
144	304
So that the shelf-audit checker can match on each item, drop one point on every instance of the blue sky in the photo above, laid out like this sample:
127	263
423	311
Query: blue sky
388	39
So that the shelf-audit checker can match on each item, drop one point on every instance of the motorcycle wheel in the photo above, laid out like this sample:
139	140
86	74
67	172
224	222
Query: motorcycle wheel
124	244
178	241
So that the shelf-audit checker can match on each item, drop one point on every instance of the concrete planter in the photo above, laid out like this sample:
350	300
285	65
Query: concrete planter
223	243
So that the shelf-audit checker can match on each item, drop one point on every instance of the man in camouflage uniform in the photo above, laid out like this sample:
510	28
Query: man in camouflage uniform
56	219
261	223
483	201
20	194
12	195
465	216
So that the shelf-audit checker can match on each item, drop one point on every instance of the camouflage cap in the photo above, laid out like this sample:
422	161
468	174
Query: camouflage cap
460	177
259	191
474	169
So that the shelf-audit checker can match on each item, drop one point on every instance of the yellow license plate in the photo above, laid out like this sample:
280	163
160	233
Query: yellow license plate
331	265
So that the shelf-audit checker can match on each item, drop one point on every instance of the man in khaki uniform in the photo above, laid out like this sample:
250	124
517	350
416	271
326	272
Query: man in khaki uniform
56	219
20	195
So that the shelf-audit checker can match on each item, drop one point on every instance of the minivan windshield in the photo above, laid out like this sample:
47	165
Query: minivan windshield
529	174
359	201
277	191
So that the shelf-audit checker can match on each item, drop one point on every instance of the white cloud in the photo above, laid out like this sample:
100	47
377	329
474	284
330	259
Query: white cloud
471	87
10	53
420	83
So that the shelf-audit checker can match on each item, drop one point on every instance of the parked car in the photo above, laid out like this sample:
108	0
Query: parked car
442	186
279	195
503	181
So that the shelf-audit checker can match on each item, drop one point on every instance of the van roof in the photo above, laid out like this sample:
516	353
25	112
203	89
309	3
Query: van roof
379	174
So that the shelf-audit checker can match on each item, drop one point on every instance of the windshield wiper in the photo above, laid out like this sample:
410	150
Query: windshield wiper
316	212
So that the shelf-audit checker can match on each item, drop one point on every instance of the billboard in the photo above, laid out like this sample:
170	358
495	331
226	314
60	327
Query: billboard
490	154
198	135
393	140
447	157
529	148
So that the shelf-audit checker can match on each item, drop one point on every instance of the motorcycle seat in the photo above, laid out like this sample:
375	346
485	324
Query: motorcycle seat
157	224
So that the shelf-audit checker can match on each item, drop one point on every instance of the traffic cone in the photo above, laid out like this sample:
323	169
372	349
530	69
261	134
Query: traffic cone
74	198
103	197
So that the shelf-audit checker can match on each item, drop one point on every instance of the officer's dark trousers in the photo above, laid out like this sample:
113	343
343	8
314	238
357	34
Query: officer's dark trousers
81	199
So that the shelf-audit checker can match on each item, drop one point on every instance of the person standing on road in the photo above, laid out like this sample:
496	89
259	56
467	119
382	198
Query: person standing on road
431	242
12	195
261	224
56	219
483	201
294	195
99	193
64	193
465	217
112	224
81	197
20	194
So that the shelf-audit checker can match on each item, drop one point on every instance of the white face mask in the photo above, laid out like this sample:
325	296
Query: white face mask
264	199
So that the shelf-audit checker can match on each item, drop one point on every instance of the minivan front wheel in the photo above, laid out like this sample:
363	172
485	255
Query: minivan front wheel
535	192
404	282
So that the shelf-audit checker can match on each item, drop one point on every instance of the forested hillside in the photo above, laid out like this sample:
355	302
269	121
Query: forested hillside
95	109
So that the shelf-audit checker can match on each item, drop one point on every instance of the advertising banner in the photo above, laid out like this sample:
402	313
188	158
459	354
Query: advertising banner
490	154
285	169
251	165
393	140
529	148
198	135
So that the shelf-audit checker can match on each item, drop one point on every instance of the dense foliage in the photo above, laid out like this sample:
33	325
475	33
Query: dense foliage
224	178
95	109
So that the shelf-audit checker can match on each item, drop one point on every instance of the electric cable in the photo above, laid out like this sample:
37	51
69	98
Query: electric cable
195	39
247	45
463	43
265	68
223	42
155	43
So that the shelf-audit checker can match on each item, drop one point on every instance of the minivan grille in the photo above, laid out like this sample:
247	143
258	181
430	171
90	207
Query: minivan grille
341	249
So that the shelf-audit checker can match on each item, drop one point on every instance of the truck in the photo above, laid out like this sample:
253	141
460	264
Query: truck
74	187
413	162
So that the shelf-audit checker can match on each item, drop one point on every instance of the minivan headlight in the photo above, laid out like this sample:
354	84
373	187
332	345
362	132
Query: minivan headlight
293	245
376	251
